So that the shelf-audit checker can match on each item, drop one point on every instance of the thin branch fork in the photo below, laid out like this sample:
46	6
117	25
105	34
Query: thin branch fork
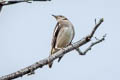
51	58
91	45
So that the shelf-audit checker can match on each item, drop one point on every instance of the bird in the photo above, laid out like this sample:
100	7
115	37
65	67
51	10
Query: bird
62	36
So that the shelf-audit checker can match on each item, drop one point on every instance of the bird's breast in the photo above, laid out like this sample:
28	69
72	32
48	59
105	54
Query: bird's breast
65	37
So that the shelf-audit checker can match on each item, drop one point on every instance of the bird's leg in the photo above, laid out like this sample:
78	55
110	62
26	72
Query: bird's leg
59	49
62	55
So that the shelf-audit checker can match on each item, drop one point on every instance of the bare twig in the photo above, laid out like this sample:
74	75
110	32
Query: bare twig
92	44
10	2
45	61
95	22
96	26
18	1
91	35
79	51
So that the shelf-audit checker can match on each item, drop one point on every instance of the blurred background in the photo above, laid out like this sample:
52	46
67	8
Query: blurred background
26	33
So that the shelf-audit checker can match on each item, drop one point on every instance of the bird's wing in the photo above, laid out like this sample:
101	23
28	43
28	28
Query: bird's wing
55	34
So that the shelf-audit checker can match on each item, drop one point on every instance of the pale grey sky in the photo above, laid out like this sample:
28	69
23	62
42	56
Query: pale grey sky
26	33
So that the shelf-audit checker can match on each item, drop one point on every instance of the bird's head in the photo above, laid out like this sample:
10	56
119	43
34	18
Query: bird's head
59	17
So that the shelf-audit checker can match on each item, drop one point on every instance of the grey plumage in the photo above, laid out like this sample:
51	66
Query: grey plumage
62	36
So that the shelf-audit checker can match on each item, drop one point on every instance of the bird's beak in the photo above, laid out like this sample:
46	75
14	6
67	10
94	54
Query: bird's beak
54	16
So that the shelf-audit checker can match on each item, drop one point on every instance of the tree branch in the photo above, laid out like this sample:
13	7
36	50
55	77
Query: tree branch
18	1
51	58
10	2
90	47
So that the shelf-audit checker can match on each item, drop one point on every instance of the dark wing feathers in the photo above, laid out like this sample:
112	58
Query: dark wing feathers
55	33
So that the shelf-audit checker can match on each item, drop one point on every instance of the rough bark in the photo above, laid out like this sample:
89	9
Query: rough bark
30	69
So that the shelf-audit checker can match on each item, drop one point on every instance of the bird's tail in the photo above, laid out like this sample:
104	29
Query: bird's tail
53	50
50	64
